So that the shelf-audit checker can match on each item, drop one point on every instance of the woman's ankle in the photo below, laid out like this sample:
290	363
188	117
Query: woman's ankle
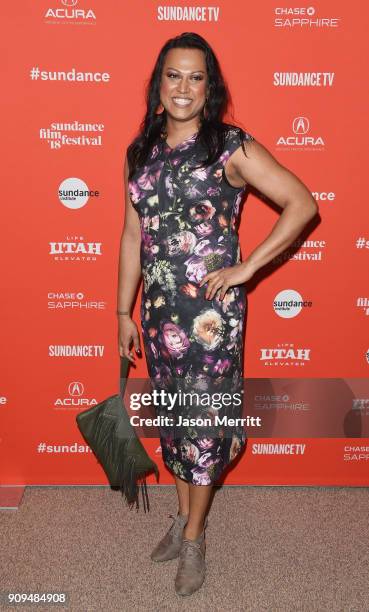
192	533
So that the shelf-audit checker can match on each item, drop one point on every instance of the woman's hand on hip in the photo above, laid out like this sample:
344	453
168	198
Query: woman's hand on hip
226	277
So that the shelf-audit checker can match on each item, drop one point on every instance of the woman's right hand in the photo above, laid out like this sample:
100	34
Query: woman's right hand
128	333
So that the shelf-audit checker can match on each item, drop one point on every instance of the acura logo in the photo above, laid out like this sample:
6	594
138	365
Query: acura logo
301	125
75	389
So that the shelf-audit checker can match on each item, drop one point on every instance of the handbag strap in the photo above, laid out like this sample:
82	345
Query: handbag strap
124	367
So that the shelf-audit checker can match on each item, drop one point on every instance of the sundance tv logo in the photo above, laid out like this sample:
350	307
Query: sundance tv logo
76	350
303	79
259	448
188	13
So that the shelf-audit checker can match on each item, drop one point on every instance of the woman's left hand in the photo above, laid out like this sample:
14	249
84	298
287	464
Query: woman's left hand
226	277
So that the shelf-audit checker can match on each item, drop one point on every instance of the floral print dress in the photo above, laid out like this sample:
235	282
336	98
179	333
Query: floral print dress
188	220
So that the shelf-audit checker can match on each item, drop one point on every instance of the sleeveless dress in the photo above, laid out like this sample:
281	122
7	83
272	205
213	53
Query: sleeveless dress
193	346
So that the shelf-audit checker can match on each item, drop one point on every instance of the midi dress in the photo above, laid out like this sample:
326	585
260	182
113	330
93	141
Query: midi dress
193	346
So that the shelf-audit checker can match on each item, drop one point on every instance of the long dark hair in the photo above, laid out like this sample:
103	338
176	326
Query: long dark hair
212	129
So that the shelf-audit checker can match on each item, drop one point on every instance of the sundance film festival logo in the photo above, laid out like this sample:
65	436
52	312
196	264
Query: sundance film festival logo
68	12
74	133
307	250
303	18
74	248
300	137
73	193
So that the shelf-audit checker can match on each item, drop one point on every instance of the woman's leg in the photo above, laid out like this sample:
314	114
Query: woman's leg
183	495
199	496
191	567
169	546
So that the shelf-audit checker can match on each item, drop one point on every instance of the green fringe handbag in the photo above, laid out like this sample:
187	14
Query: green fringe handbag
107	429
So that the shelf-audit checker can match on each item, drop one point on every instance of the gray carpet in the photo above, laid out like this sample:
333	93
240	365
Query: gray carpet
268	548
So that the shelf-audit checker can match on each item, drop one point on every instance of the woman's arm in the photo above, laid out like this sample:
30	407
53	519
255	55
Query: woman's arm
279	184
129	274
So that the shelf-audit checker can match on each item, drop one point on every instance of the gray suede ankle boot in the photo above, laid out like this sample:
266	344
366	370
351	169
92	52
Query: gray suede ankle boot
191	566
170	545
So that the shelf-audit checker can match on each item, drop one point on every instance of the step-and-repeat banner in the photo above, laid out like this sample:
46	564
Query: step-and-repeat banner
74	75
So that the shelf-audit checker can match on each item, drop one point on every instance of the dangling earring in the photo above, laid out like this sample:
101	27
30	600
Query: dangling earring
159	109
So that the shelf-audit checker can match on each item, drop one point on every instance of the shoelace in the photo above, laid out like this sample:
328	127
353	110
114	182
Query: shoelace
177	525
190	550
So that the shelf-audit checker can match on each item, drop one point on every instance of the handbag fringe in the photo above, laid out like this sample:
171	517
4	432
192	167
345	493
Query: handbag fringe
126	477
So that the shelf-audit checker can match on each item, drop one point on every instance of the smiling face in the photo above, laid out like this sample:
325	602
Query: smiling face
183	86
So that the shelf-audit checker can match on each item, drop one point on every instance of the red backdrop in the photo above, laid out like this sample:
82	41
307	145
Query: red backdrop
297	76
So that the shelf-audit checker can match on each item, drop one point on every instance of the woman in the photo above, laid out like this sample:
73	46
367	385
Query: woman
185	175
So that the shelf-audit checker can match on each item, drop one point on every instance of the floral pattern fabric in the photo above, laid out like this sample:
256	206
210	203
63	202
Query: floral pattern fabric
188	219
